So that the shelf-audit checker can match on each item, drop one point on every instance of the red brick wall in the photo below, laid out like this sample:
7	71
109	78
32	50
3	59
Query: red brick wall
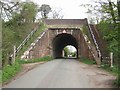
44	46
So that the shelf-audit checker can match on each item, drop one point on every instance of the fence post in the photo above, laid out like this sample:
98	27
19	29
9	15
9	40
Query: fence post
14	53
111	59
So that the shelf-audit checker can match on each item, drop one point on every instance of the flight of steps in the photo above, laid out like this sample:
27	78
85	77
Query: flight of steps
25	55
93	47
35	27
98	49
93	50
100	41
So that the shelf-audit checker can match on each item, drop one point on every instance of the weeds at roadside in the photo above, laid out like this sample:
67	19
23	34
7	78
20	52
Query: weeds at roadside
46	58
87	61
10	70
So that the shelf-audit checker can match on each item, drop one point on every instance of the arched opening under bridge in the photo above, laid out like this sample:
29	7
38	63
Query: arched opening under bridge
69	51
60	42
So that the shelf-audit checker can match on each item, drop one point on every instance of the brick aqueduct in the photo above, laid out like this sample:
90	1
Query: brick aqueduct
62	32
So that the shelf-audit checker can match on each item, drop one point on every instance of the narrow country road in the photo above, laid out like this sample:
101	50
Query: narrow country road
63	73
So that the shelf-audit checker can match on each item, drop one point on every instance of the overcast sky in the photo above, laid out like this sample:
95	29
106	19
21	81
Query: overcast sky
70	8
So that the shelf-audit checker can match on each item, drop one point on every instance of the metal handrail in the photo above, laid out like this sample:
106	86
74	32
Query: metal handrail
97	47
26	39
35	41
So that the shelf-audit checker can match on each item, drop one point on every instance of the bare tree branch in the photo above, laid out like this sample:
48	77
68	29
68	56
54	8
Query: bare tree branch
8	8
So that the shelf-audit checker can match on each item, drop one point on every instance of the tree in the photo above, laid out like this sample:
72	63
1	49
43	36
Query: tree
118	7
25	11
66	52
45	9
102	10
56	14
74	54
7	8
28	12
19	23
112	11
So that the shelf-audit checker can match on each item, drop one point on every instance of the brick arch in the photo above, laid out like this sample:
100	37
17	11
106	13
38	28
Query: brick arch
43	46
62	40
49	41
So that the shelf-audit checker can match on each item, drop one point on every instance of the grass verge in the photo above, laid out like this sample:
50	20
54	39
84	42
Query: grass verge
9	71
87	61
46	58
113	70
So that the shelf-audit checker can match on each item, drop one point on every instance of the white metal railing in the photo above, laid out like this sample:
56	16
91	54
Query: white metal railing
94	40
93	49
26	39
32	45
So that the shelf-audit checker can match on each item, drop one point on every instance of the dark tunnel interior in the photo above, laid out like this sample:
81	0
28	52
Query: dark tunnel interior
62	40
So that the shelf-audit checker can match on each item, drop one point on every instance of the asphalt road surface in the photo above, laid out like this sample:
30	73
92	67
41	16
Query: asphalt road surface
63	73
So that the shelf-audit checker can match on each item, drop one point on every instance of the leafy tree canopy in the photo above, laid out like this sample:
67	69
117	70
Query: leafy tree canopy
45	9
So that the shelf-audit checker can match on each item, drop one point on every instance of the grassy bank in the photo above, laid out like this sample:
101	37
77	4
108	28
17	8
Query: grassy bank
36	34
113	70
10	71
87	61
46	58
